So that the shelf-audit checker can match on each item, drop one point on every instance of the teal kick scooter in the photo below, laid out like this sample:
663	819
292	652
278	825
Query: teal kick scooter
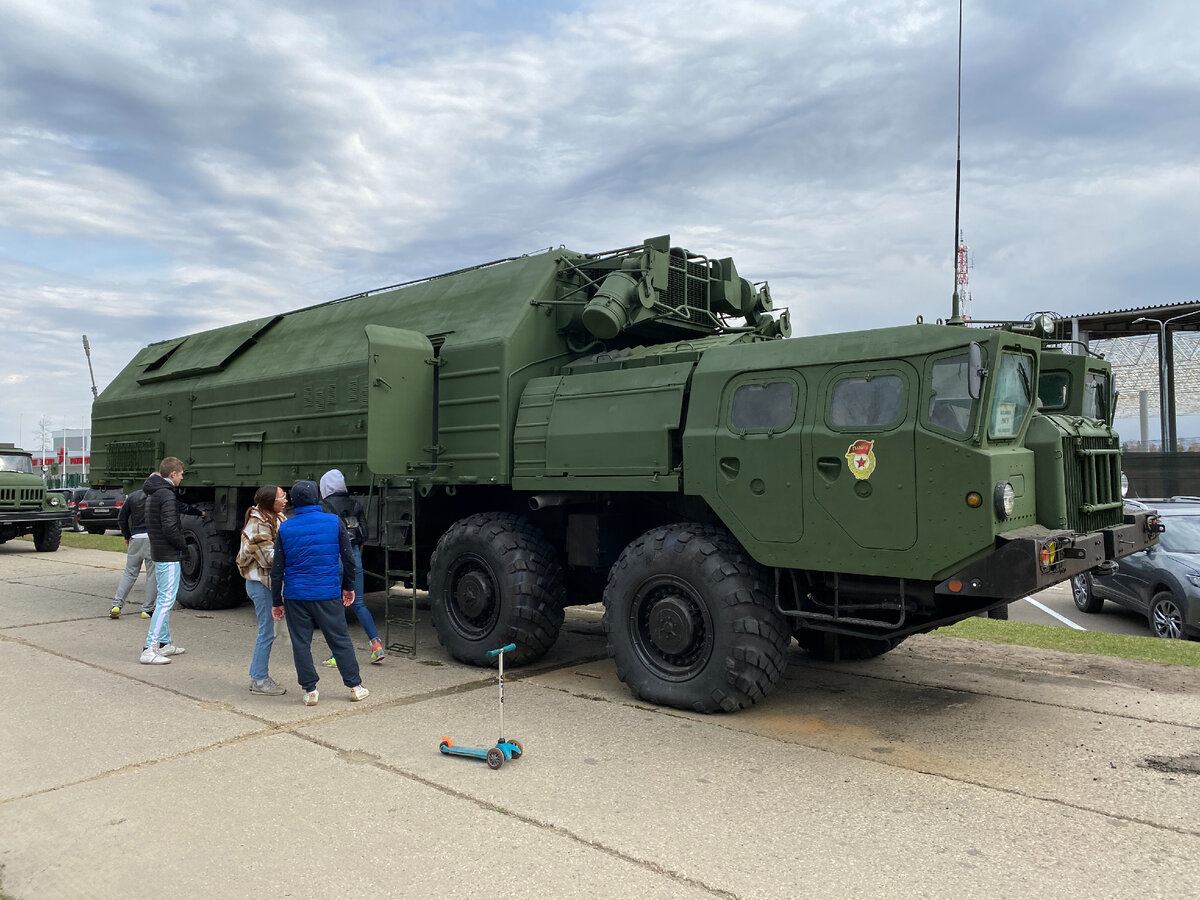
504	749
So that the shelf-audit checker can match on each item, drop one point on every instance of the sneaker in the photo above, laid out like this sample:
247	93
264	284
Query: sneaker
358	692
145	615
151	657
115	612
332	661
310	697
377	651
171	650
266	686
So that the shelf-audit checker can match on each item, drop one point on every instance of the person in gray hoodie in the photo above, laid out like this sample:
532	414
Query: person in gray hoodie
167	544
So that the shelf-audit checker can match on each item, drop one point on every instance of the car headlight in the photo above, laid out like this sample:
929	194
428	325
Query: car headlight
1194	578
1006	500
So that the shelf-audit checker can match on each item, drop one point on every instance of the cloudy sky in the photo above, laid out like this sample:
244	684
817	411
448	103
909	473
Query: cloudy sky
173	166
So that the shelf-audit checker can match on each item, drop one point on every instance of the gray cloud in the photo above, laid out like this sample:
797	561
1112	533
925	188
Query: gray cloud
173	166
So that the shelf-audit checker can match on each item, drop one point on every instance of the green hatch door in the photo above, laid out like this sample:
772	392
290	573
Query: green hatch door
862	449
399	400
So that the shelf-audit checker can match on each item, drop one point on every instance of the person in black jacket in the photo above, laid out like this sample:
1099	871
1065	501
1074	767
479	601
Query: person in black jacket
167	544
132	522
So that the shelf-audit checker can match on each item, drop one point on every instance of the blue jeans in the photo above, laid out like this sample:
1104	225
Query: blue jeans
167	574
138	553
260	596
365	619
330	616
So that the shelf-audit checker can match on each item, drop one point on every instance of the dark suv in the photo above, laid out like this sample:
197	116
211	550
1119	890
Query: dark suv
98	509
1162	582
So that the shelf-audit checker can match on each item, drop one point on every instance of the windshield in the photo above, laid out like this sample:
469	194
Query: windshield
1182	534
1095	396
1013	394
16	462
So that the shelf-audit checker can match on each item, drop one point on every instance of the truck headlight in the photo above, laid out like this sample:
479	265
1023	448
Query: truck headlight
1006	500
54	499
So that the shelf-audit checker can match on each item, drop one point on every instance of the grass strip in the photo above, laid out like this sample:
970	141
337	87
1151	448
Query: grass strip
1068	640
81	541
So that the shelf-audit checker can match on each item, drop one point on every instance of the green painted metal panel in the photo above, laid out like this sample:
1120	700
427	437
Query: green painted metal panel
400	375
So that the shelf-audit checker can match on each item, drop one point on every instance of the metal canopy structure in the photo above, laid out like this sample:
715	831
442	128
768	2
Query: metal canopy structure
1149	347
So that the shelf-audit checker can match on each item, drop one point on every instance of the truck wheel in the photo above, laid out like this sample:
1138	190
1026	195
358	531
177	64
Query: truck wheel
690	623
833	647
209	576
1085	599
494	580
47	536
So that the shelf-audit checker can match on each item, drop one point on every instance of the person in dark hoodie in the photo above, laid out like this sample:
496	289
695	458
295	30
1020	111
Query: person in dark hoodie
337	500
132	522
307	588
167	544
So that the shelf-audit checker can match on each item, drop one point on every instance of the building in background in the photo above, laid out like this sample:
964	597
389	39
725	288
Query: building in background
68	458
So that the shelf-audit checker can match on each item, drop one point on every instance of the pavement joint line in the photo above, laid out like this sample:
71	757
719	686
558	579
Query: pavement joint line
957	779
489	806
296	728
1047	703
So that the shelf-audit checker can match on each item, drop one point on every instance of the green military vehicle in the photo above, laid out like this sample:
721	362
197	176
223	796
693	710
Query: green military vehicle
26	507
632	427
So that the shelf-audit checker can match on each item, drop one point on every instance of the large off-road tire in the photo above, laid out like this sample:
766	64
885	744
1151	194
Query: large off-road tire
834	647
1166	616
690	622
494	580
209	576
47	536
1085	598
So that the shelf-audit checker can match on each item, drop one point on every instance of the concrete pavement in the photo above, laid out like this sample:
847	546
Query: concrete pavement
944	769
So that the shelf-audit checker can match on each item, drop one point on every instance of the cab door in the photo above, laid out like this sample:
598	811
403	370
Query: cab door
864	476
759	464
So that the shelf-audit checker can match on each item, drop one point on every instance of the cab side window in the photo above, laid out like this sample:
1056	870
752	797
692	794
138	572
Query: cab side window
950	403
859	402
763	406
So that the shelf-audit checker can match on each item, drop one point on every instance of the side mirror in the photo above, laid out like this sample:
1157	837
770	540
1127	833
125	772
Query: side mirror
975	371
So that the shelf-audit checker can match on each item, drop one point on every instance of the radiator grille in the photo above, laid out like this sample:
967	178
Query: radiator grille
22	498
1093	483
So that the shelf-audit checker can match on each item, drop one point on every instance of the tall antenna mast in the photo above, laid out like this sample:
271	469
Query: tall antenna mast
955	305
88	353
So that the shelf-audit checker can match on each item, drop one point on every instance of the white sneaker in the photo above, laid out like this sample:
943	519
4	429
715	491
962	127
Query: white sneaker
171	650
358	692
310	698
151	657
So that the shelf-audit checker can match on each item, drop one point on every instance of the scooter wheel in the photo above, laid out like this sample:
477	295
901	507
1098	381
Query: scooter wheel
444	746
495	758
516	749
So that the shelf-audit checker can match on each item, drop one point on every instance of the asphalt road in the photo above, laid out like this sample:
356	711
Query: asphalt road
947	768
1055	606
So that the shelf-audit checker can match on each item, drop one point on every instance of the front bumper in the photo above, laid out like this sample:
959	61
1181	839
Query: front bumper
34	516
1031	559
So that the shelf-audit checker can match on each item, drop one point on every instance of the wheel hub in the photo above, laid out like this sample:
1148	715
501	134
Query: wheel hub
474	594
671	625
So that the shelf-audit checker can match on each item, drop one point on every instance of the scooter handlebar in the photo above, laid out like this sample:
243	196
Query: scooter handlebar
492	654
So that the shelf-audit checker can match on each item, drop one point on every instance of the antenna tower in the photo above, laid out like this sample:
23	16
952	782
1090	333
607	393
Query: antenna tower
963	263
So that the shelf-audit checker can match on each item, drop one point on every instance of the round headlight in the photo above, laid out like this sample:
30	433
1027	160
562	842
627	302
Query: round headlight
1124	484
1006	500
54	498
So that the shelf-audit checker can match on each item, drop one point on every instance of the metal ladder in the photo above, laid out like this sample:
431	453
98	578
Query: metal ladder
398	534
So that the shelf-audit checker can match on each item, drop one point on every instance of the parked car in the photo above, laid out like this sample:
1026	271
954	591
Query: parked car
1163	582
98	509
73	495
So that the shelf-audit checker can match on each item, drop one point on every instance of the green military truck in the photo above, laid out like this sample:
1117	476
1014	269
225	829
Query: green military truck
632	427
26	507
